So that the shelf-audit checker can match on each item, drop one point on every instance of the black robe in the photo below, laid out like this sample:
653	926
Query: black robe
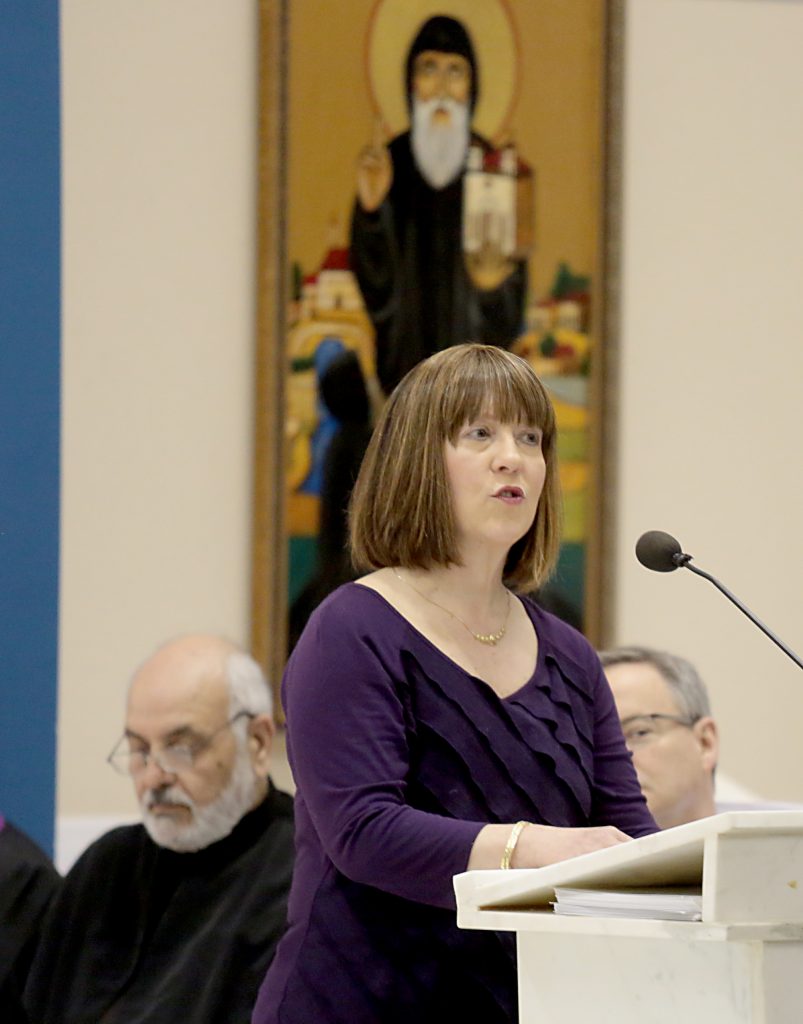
408	260
28	882
139	933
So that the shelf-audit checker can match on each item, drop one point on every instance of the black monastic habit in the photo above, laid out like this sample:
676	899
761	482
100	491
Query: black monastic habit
139	933
407	257
28	882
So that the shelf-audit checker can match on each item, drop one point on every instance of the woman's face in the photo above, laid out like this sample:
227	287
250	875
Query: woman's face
496	472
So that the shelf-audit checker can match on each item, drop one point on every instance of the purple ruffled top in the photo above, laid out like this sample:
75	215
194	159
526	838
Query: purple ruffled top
401	757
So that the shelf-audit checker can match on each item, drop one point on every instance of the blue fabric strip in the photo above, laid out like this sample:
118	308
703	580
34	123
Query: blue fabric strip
29	411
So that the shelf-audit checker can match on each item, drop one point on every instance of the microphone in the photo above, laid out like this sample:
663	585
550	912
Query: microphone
661	552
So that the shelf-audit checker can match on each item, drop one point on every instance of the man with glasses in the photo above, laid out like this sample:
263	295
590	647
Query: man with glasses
666	720
177	918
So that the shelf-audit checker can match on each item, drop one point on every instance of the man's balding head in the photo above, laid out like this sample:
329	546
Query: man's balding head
199	731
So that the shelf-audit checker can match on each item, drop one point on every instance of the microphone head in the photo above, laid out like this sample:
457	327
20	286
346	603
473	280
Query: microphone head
657	550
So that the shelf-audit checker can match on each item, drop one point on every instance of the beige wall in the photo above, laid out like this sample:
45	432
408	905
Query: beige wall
159	108
712	358
159	156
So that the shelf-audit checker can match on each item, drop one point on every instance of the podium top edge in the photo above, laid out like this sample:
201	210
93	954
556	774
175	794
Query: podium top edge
674	856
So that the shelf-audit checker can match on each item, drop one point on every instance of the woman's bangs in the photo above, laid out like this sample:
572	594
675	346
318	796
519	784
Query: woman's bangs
464	399
519	397
500	389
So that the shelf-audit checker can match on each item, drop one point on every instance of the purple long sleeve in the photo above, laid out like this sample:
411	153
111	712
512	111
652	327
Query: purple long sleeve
350	755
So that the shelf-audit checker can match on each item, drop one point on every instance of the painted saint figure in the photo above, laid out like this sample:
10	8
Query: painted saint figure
407	225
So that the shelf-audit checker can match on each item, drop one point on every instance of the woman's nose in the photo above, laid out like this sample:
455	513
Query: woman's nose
507	454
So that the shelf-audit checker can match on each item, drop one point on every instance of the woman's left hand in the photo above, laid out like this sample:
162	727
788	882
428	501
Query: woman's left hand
539	845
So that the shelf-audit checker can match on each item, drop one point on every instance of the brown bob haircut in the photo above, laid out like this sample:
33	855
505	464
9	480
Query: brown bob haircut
401	510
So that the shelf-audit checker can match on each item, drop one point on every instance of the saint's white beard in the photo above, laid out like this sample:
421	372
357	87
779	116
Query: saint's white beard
209	823
440	149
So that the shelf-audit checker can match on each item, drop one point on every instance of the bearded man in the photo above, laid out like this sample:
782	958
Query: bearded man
177	918
406	231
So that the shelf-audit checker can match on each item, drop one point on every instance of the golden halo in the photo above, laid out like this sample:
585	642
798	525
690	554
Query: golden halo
393	25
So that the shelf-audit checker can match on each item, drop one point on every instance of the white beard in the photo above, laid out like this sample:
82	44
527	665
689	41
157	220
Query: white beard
440	149
210	822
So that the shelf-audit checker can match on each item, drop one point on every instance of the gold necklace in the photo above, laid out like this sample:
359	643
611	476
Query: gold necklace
490	639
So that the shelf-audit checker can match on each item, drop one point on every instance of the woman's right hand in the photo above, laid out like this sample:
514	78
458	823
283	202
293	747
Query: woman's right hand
539	845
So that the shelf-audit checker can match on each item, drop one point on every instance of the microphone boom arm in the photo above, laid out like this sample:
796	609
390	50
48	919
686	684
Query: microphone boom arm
683	561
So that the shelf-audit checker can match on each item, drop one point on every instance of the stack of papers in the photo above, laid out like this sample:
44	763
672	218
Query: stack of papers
661	904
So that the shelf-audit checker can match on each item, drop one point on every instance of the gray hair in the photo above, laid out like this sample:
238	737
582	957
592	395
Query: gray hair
680	675
248	687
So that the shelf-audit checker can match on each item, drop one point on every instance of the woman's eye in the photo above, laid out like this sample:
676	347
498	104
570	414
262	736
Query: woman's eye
480	433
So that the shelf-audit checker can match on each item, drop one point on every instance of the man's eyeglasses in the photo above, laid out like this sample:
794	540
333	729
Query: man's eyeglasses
173	759
639	730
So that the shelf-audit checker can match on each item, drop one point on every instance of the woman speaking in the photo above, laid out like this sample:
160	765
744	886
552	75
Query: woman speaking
437	721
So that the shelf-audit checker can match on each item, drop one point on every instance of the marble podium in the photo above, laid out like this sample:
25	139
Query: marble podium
741	964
